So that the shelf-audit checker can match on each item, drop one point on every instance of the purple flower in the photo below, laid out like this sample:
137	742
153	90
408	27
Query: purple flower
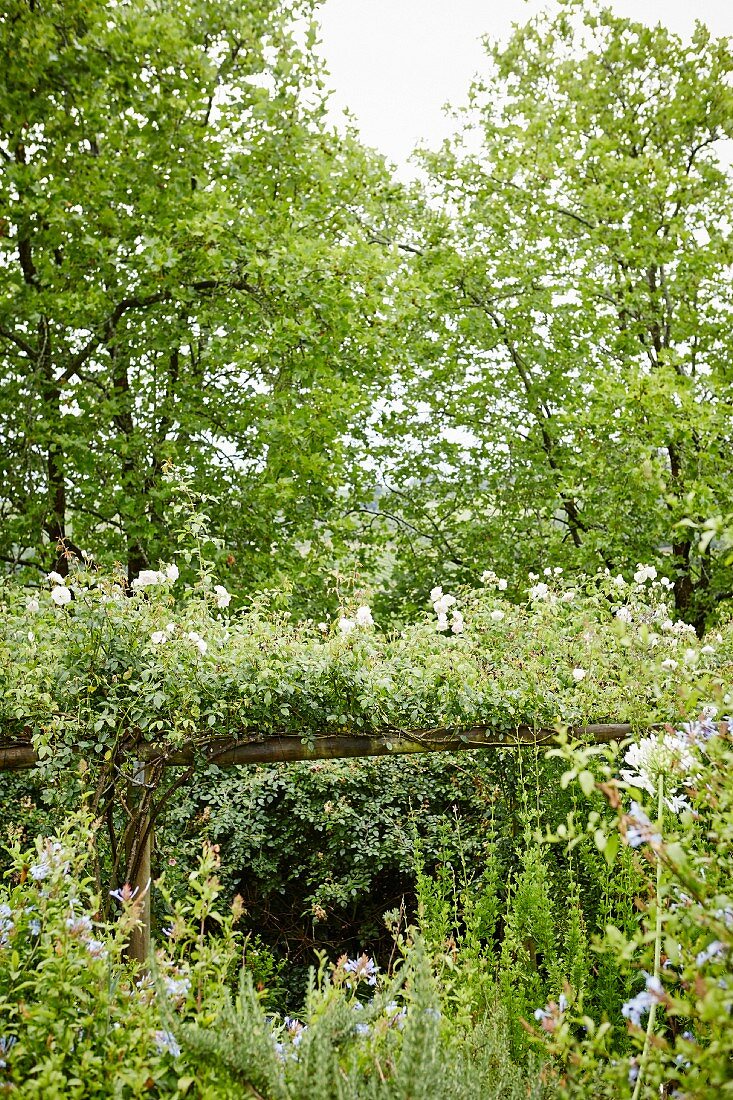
166	1043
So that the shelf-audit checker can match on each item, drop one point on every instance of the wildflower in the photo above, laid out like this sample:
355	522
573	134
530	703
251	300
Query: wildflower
7	924
346	625
497	615
223	598
362	969
126	893
32	604
639	829
171	572
41	870
295	1029
166	1043
34	926
55	579
549	1016
177	987
653	993
579	674
6	1044
539	591
96	949
158	637
80	926
677	803
364	616
397	1016
361	1028
148	577
714	950
644	573
60	595
198	641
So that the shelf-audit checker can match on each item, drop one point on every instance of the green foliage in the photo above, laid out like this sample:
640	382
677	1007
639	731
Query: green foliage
79	1021
672	959
566	381
187	274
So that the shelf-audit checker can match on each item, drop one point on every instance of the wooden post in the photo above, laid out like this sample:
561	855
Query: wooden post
141	881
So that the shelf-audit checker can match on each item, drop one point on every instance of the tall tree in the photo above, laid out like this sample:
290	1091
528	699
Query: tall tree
184	277
567	396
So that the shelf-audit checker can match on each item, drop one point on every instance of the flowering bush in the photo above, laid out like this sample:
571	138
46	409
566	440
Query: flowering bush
78	1021
672	807
102	666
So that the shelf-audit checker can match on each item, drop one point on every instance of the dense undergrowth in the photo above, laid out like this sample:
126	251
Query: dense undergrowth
509	905
491	992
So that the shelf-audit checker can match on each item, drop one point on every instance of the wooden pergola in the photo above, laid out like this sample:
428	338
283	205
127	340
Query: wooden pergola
150	758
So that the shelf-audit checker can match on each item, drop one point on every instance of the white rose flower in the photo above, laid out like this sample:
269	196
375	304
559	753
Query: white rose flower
619	581
364	616
198	641
501	584
644	573
579	674
441	606
171	572
442	623
171	628
497	615
457	624
323	627
708	649
539	591
436	594
32	605
148	577
55	578
668	662
569	596
158	637
346	625
60	595
223	598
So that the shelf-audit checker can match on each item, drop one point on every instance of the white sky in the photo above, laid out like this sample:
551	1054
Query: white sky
395	63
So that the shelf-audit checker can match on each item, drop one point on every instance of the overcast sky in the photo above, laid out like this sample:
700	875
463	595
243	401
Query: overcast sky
395	63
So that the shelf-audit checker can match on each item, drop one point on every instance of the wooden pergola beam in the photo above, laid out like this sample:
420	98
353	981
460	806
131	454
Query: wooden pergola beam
287	749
